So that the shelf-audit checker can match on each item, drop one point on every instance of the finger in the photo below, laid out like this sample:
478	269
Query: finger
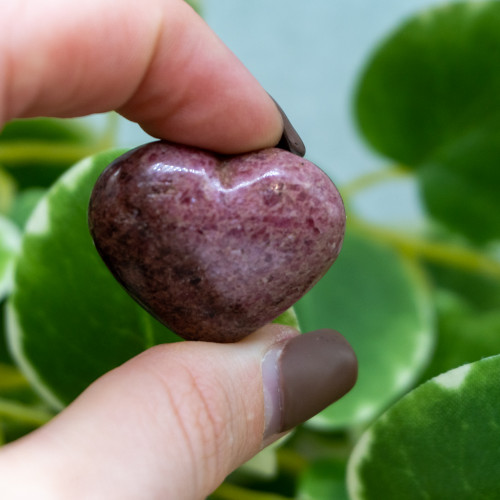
156	61
176	420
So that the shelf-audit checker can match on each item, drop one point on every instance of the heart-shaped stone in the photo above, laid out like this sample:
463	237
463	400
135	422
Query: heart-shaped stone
215	246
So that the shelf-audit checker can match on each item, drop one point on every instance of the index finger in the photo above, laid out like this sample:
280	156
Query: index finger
155	61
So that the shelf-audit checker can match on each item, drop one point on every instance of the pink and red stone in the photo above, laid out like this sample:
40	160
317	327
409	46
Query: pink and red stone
215	246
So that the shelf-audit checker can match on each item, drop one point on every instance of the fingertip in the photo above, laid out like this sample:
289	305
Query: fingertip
217	120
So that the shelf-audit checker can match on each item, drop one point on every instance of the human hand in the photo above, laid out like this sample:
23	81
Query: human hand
174	421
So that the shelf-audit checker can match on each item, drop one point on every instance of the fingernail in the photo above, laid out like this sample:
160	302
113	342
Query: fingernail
304	375
290	140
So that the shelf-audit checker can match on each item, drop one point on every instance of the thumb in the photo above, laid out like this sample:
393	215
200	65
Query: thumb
176	420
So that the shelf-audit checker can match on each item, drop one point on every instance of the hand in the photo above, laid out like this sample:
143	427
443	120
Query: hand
176	420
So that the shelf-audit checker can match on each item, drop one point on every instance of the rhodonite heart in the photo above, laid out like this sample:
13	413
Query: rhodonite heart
215	246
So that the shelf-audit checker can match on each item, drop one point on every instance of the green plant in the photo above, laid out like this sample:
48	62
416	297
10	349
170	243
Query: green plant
420	307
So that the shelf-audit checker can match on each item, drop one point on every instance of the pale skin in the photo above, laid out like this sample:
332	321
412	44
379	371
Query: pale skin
174	421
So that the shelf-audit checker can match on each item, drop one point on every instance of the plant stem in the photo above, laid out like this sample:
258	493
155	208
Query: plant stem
11	378
110	135
54	153
7	191
23	413
371	179
42	152
290	461
442	253
227	491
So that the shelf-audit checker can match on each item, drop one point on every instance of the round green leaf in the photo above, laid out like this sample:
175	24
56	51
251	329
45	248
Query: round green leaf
380	303
9	247
68	319
440	441
428	98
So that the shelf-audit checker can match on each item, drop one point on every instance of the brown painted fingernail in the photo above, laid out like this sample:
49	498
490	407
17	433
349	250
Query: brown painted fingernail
304	375
290	140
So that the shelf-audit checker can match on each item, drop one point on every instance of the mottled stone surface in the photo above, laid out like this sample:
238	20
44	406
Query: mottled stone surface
214	246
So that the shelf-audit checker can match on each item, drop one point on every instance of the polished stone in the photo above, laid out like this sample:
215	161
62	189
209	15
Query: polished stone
215	246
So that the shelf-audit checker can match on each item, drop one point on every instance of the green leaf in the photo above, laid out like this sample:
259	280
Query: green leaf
68	319
36	151
465	334
9	247
288	318
480	290
323	480
468	170
428	98
468	312
44	129
380	303
440	441
264	464
23	204
197	5
21	410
